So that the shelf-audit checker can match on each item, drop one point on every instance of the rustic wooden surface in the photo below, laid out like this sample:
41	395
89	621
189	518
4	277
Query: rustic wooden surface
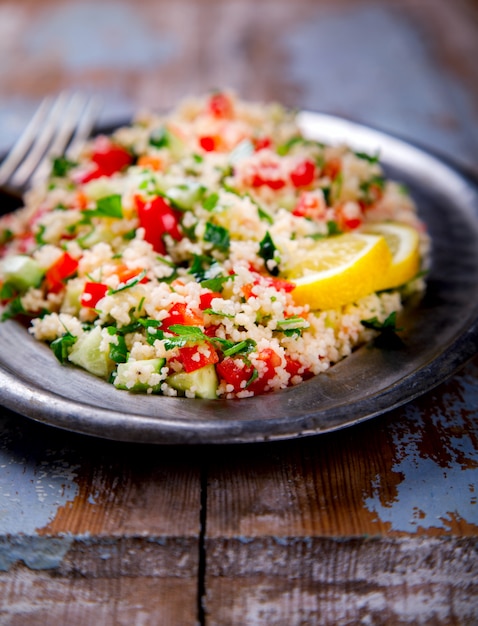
377	524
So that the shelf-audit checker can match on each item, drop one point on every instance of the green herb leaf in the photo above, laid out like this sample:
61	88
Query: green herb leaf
269	252
371	158
388	338
159	138
242	347
217	283
61	346
219	313
184	334
218	236
118	349
209	203
13	308
128	284
388	324
61	166
264	215
108	206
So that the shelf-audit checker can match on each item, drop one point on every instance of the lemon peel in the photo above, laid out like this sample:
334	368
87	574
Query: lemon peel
404	244
340	270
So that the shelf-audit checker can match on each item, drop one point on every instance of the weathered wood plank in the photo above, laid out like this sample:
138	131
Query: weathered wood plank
39	598
337	529
90	527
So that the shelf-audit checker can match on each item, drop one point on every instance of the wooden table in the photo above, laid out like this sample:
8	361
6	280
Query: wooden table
375	524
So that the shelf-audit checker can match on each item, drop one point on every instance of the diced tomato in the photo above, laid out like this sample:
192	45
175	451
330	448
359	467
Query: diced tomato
208	143
261	143
271	361
332	168
92	293
261	180
151	162
193	357
126	273
312	205
279	284
81	200
220	105
64	267
179	313
158	219
292	366
351	224
206	299
109	156
26	242
107	159
210	331
235	374
303	174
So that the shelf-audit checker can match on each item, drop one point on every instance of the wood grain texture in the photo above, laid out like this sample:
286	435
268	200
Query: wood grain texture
374	525
328	529
39	598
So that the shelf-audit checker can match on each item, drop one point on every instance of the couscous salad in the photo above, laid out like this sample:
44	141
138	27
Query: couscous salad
214	252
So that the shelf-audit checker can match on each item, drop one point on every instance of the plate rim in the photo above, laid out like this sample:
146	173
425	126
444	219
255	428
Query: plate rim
43	406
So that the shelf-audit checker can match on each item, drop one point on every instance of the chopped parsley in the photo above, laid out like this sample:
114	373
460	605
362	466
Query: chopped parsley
218	236
269	252
62	345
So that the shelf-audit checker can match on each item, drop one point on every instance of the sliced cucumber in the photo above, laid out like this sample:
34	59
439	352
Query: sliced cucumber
87	354
203	382
184	196
135	375
73	292
21	272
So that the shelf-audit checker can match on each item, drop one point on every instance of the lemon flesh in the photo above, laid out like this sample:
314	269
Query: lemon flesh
404	242
340	270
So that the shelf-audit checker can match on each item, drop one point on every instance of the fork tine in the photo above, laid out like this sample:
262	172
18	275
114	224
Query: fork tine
84	127
24	142
69	116
44	138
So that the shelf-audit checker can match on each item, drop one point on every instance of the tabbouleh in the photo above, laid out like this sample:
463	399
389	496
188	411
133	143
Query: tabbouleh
161	259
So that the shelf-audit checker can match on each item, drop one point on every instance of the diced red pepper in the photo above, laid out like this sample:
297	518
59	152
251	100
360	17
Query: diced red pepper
208	143
179	313
260	180
220	105
271	361
158	219
261	143
126	273
352	223
64	267
233	373
332	168
193	358
107	159
206	299
303	174
310	205
92	293
279	284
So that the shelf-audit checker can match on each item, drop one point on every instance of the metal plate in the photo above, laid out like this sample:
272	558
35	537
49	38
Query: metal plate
441	334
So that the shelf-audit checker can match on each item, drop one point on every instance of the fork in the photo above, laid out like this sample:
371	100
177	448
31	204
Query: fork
59	127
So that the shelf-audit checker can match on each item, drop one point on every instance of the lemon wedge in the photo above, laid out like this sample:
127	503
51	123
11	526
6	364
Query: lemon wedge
403	241
339	270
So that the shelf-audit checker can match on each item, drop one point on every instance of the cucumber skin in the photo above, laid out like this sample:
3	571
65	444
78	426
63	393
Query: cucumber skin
204	380
123	369
22	272
87	354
